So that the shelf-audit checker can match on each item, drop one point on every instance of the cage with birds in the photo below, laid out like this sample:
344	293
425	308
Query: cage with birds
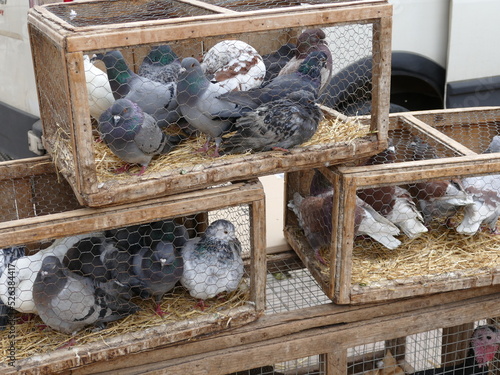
113	281
418	218
133	93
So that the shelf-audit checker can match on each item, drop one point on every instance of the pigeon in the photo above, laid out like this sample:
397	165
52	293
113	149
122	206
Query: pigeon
212	262
276	60
161	64
485	191
133	135
7	256
234	65
307	78
485	208
393	202
494	146
483	347
25	270
311	40
155	98
158	268
98	88
67	302
279	124
197	98
314	215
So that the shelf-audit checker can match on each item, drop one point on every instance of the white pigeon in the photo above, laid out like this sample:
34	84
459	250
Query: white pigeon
98	88
25	270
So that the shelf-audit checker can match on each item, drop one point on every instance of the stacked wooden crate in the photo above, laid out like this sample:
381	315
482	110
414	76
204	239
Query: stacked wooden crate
192	194
447	254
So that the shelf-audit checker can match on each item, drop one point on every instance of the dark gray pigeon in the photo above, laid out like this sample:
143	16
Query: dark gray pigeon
197	99
90	257
161	64
155	98
275	61
158	268
212	262
306	78
68	302
133	135
7	256
280	124
311	40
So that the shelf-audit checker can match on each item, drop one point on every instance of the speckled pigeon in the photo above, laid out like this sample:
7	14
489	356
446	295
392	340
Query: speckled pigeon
161	64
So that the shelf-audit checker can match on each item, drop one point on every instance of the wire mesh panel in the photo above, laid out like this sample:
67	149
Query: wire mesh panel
127	278
160	92
453	350
418	218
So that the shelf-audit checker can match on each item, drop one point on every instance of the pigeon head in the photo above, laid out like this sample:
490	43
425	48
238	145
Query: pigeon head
116	66
192	75
122	120
309	40
51	275
221	229
313	64
485	343
161	55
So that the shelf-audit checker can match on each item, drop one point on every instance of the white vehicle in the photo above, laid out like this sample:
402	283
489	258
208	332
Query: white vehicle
444	56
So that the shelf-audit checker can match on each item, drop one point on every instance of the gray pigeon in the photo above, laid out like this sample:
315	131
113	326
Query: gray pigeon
133	135
161	65
155	98
197	99
306	78
212	262
494	146
68	302
280	124
7	256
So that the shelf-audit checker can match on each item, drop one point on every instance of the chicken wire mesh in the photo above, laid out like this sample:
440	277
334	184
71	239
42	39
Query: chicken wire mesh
436	224
197	105
465	349
184	273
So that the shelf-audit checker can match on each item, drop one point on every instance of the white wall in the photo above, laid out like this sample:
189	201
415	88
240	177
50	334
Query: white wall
17	79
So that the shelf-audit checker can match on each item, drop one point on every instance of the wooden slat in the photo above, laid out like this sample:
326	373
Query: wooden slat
186	28
414	171
375	325
258	259
26	167
87	220
436	135
83	140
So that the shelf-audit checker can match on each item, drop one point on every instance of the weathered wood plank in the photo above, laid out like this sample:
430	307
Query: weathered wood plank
327	338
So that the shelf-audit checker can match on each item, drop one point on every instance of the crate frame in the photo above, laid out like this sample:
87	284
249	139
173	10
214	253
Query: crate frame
348	179
33	229
75	160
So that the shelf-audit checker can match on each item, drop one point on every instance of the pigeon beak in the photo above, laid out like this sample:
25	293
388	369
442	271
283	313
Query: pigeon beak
116	118
182	70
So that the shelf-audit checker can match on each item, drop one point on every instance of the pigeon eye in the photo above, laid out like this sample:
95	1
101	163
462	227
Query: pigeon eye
488	337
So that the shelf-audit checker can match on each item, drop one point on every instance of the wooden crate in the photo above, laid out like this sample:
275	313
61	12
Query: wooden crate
358	269
55	214
358	30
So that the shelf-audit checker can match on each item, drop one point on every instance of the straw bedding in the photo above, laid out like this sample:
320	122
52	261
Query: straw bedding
32	338
441	251
186	158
